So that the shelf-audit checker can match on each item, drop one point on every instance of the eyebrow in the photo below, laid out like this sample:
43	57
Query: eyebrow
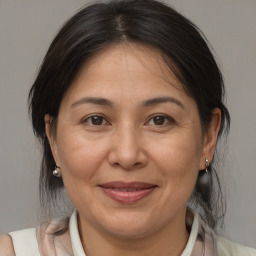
92	100
159	100
146	103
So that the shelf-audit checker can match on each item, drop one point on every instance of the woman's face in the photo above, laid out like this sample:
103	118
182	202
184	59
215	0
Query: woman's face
129	143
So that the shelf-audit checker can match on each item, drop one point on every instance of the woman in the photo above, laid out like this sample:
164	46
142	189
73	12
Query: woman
128	106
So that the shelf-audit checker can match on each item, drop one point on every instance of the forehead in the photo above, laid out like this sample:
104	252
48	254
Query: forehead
126	68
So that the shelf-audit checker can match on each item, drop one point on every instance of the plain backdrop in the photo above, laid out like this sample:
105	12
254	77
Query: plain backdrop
26	30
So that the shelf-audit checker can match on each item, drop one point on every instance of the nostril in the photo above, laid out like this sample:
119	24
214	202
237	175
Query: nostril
127	159
135	165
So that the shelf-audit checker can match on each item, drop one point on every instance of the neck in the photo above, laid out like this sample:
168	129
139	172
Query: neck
168	241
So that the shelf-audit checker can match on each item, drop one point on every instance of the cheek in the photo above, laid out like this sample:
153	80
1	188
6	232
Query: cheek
179	152
178	159
79	157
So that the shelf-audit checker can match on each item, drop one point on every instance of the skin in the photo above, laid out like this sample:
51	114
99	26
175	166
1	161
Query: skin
130	144
6	246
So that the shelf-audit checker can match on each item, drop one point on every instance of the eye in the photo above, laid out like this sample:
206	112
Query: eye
96	120
160	120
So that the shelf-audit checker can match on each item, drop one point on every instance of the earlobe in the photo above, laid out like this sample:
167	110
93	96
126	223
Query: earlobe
210	137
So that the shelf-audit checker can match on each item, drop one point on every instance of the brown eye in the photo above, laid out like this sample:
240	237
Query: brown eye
159	120
96	120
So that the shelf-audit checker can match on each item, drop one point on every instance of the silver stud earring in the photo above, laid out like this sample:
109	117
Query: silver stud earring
206	165
57	171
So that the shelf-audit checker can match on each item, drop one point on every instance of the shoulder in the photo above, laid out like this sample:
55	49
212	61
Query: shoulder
228	248
6	246
25	242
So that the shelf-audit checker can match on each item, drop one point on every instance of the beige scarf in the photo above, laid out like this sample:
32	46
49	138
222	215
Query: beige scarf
61	238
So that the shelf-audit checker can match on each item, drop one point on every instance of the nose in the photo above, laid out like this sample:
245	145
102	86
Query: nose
127	151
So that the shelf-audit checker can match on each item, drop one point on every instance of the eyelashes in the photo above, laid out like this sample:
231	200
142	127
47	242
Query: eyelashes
158	120
96	120
161	120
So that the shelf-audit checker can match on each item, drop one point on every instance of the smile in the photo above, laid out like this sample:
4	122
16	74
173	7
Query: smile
127	193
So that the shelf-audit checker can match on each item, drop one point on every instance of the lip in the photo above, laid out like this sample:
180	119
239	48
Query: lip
127	192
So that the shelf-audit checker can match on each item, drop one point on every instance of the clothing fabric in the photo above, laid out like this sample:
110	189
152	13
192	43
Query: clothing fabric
61	238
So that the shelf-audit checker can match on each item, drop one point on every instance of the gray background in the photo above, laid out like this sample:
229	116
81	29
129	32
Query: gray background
26	29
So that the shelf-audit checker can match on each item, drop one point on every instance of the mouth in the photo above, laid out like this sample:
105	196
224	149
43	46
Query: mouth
127	193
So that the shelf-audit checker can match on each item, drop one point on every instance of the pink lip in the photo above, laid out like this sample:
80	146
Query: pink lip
126	193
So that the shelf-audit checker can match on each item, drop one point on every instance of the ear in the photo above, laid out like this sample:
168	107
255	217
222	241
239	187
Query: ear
51	137
210	138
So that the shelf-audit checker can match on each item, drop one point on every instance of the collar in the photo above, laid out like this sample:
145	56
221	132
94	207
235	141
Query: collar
201	239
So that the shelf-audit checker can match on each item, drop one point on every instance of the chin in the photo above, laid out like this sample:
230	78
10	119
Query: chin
128	226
